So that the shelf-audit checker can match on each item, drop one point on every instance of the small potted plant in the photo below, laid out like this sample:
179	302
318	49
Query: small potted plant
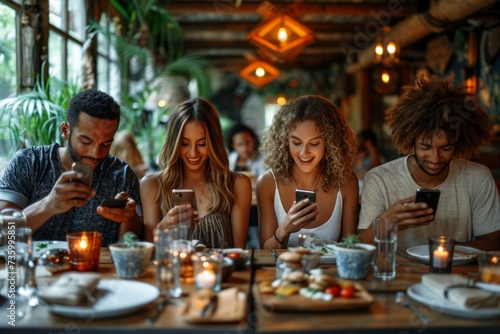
353	258
131	256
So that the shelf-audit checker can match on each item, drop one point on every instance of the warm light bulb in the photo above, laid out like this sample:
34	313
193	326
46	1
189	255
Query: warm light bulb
280	100
83	243
385	77
260	72
379	50
391	48
282	34
162	103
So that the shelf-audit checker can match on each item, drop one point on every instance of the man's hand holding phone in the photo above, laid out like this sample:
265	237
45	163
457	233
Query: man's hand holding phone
119	209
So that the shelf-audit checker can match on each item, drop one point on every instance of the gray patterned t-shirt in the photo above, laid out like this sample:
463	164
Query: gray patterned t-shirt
31	174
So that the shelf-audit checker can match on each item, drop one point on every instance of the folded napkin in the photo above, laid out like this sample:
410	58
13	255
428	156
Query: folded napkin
458	290
230	306
70	289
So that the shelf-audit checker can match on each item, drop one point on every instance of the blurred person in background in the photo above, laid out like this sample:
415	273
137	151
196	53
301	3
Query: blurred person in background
125	148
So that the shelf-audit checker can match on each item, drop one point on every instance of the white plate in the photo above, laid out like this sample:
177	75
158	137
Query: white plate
491	287
425	296
115	297
422	253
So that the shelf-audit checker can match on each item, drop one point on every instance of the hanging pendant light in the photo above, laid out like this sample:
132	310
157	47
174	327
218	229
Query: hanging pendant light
282	36
259	73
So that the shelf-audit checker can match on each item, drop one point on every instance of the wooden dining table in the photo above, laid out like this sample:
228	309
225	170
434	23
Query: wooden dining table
383	315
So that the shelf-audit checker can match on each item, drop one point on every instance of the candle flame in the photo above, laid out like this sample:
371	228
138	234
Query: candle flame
205	264
440	249
83	243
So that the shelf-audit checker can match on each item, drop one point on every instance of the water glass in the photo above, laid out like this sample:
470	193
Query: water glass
440	254
385	232
167	265
17	243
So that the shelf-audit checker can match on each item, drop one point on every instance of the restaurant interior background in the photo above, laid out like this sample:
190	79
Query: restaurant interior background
150	55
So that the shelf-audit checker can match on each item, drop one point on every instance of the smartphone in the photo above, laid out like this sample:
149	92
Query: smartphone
429	196
86	170
301	194
114	203
184	196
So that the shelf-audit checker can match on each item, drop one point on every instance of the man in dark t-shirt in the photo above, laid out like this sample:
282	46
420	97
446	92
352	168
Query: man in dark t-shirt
39	179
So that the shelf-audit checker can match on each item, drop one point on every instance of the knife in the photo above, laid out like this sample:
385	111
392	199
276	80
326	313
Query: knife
209	309
159	307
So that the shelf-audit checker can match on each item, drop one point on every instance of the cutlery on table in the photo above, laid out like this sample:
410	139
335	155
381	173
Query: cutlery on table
275	256
209	308
159	307
402	299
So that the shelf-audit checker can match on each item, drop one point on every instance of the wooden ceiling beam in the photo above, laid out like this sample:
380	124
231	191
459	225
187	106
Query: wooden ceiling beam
222	8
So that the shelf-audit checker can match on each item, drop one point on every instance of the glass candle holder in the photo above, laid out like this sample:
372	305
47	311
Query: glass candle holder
489	266
182	250
207	270
440	254
84	250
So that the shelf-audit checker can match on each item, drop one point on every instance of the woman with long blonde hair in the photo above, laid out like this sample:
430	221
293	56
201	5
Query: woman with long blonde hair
194	156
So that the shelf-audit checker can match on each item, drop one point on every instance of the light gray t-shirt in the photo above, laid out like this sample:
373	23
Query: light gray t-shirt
31	174
469	204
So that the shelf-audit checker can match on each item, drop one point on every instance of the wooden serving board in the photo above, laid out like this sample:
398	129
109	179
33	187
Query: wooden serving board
297	302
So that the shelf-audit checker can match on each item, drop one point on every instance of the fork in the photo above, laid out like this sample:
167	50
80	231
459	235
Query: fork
403	300
275	256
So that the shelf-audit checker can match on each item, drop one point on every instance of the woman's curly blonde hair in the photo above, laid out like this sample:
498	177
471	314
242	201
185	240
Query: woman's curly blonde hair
341	143
432	105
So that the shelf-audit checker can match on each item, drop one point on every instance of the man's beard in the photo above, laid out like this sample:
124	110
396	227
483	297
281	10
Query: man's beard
72	153
420	164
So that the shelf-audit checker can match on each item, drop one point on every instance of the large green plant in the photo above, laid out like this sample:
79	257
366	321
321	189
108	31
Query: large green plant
34	118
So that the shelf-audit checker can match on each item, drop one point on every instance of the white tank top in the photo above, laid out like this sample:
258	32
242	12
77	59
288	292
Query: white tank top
330	230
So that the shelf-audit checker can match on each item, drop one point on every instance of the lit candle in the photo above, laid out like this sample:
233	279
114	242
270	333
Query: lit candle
84	249
440	258
205	279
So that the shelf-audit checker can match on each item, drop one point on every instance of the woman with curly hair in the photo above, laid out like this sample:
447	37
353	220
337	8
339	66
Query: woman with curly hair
308	146
437	126
194	156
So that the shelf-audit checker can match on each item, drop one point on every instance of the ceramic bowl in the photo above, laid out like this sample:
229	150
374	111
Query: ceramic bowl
354	263
131	262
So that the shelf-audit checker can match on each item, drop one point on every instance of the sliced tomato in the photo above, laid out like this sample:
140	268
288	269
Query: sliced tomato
234	255
347	292
333	290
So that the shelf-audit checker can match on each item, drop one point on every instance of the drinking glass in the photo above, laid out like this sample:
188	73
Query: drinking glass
385	232
167	265
17	243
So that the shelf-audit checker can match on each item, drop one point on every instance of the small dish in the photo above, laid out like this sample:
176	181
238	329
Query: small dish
239	256
462	254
